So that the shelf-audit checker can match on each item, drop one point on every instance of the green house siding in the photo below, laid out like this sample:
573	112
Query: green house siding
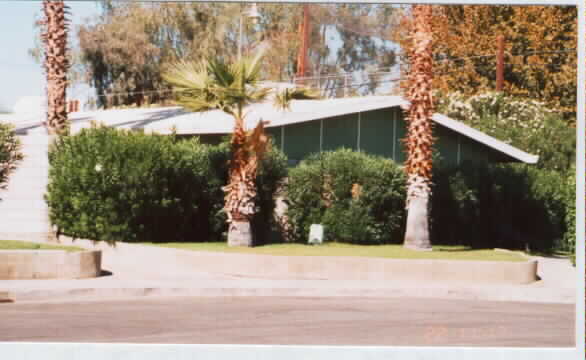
400	134
378	132
301	140
211	139
447	145
341	132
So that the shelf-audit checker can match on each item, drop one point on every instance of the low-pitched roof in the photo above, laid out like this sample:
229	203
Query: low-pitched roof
163	120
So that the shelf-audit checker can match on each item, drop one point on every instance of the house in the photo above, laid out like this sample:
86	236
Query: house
372	124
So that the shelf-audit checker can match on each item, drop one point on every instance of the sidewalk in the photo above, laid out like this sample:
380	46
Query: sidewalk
138	270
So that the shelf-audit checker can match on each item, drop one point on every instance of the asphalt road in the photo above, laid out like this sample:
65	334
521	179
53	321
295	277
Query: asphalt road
293	321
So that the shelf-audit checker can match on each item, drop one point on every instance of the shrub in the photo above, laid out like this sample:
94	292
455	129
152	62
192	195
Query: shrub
570	219
500	205
512	206
518	122
9	153
106	184
359	198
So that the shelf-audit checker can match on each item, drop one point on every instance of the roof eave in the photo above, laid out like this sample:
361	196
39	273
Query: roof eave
485	139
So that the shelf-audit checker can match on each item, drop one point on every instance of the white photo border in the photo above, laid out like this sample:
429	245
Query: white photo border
83	351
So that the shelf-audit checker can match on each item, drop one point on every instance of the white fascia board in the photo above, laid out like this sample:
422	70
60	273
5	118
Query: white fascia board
485	139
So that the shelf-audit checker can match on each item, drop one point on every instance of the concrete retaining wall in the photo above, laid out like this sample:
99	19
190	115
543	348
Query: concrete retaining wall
322	267
49	264
361	268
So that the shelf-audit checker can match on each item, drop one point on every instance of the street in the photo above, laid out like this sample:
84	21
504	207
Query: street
293	321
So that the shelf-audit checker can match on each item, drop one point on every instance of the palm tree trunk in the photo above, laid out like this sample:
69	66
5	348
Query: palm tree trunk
56	65
419	132
241	190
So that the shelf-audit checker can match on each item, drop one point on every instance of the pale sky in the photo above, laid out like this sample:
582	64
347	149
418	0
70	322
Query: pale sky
19	74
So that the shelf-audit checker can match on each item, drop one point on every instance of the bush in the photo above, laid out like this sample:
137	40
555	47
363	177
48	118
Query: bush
106	184
513	206
500	205
518	122
570	219
9	153
359	198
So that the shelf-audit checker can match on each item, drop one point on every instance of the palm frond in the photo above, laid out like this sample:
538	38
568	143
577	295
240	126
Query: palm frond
283	99
213	84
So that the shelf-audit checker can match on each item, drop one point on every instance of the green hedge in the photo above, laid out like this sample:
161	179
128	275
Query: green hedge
320	192
501	205
9	153
112	185
511	206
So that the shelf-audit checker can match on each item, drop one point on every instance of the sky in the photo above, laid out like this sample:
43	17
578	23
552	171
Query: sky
19	74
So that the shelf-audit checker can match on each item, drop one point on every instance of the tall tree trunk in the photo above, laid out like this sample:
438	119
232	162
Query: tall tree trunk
419	132
247	150
56	64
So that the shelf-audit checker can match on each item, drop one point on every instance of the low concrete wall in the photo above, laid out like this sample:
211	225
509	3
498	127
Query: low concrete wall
361	268
325	267
49	264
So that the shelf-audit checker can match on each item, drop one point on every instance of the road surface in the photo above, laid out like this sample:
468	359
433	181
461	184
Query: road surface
293	321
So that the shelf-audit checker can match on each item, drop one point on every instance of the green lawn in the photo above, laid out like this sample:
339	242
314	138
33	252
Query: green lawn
336	249
24	245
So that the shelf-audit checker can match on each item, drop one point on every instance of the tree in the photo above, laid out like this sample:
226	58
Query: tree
213	84
540	51
125	50
56	64
419	130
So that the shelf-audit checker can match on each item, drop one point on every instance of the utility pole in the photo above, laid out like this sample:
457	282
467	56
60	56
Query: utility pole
500	62
304	33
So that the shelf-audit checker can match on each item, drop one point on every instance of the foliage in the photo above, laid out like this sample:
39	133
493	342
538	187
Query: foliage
111	185
499	205
569	240
540	51
283	98
10	153
519	122
124	51
359	198
511	206
212	84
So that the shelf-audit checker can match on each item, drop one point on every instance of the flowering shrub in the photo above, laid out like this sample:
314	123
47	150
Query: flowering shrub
521	123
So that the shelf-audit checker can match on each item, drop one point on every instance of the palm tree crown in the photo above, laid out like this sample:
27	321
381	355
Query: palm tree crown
213	84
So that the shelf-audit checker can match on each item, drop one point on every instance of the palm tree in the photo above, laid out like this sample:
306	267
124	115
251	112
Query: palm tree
56	64
419	133
212	84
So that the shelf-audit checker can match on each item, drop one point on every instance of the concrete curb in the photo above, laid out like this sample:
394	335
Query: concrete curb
88	294
335	268
49	264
